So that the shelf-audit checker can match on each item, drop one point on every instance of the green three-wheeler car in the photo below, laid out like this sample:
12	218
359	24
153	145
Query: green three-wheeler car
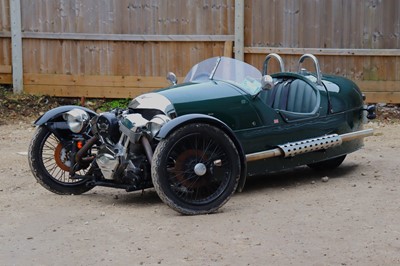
197	141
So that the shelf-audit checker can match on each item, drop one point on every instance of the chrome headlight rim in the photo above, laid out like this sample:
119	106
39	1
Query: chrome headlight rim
77	120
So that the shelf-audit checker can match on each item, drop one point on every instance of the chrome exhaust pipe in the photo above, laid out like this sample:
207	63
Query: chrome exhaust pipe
309	145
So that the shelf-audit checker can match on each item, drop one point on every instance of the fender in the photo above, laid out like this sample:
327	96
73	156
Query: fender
55	123
180	121
55	114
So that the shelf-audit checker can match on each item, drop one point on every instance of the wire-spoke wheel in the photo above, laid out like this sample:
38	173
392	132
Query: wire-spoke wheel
50	164
196	169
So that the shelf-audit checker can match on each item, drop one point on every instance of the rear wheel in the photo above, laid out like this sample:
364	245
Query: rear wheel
328	164
196	169
49	162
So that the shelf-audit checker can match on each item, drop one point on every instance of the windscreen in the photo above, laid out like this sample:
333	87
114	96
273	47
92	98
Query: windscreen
227	69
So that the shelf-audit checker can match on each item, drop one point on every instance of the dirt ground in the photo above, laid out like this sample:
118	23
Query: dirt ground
291	218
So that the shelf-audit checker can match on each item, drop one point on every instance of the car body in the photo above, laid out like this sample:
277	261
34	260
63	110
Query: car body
239	102
196	142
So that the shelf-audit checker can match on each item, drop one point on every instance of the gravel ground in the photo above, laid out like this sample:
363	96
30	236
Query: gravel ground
300	217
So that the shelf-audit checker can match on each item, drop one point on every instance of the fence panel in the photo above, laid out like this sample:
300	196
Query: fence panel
359	39
347	36
118	39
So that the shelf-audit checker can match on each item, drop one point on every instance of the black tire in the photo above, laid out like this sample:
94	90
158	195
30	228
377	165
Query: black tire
329	164
49	164
205	189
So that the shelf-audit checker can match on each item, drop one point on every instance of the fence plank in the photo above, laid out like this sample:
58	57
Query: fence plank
86	91
127	37
92	86
6	79
323	51
96	80
228	49
378	86
382	97
6	69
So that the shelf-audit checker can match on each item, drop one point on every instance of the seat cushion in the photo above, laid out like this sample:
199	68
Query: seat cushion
302	97
293	95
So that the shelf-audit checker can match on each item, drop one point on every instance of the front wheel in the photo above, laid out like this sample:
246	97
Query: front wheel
50	164
196	169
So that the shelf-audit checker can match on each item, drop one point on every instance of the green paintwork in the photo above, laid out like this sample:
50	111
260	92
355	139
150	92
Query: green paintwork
348	95
259	127
215	98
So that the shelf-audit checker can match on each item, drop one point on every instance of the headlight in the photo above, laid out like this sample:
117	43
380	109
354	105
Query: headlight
77	120
156	123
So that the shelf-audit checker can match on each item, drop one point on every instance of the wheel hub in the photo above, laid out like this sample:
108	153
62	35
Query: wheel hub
188	169
61	158
200	169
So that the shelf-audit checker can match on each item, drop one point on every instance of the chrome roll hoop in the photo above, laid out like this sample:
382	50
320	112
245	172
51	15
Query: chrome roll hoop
277	57
316	64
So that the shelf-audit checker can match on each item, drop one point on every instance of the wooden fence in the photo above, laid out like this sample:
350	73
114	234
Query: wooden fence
358	39
121	48
5	43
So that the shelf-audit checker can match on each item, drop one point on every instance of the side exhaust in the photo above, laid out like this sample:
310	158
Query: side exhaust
309	145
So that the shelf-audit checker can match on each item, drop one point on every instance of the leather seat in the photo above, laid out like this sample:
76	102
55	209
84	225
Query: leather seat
293	95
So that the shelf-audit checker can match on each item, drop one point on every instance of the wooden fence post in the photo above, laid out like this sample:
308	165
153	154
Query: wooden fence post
16	44
239	29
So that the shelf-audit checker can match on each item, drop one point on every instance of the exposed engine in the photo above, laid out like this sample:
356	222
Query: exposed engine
124	153
123	140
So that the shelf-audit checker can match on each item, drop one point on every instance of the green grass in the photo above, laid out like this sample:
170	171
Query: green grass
113	104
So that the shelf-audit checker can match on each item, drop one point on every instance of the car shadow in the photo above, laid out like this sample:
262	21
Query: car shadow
146	197
120	197
298	176
295	177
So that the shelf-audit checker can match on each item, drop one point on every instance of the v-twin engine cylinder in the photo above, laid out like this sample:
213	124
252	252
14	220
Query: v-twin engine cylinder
110	157
108	161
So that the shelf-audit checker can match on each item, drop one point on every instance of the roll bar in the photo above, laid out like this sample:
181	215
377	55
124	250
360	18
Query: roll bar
267	58
316	64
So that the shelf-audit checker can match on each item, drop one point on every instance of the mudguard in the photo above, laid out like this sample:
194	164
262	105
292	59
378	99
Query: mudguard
55	115
180	121
56	124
